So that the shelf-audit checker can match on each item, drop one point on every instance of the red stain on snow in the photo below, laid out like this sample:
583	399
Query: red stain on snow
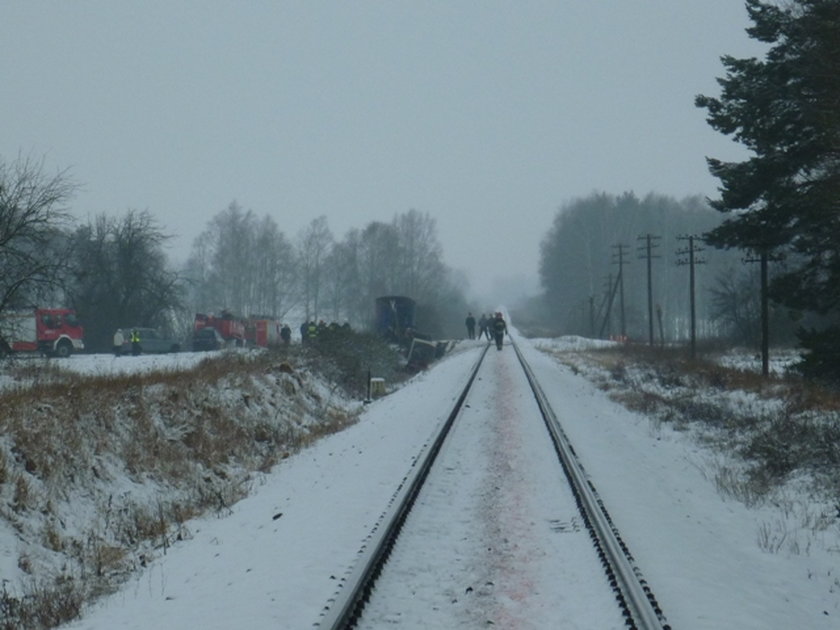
507	514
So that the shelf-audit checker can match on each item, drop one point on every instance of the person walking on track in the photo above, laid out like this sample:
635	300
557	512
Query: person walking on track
482	327
499	328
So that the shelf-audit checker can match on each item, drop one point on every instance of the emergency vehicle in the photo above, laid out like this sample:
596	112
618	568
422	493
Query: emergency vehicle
53	332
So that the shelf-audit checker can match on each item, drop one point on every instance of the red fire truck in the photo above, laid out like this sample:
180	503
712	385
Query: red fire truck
262	333
230	328
253	332
53	332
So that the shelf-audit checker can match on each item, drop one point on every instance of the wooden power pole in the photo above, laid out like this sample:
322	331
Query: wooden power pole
647	252
691	250
620	260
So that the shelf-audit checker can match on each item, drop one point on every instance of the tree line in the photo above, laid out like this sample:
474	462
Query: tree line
114	271
594	273
778	210
246	264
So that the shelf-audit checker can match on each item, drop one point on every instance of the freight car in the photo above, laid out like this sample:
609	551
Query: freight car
395	317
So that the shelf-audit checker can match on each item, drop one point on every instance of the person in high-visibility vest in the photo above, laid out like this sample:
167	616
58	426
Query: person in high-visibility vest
135	342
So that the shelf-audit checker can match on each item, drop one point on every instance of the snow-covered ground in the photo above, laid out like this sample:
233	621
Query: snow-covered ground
706	557
101	365
495	538
274	561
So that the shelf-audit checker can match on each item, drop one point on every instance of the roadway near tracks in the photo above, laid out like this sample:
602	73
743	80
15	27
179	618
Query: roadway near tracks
496	536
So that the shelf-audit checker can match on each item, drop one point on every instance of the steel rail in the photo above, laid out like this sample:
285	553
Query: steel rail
638	604
345	607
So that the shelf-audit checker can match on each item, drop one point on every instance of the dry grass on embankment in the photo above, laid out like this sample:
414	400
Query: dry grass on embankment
772	431
100	474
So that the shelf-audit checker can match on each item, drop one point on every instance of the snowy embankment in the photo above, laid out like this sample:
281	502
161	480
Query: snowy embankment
103	461
712	561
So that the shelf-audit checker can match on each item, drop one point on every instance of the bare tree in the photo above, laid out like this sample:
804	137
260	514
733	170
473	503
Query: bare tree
402	257
221	268
378	251
243	265
199	273
233	232
340	280
314	243
33	241
419	263
351	289
735	303
120	276
274	282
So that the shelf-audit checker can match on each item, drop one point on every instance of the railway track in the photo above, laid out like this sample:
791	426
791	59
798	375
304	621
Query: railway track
493	571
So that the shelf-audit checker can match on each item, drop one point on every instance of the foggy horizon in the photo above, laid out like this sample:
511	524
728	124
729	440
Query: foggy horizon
489	117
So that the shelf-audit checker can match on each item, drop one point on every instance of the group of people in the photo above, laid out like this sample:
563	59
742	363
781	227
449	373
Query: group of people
310	331
120	339
493	327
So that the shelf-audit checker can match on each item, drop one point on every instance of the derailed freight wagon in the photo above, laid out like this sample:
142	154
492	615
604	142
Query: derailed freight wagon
395	317
395	320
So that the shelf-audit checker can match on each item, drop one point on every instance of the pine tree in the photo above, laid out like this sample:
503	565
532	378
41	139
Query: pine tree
786	197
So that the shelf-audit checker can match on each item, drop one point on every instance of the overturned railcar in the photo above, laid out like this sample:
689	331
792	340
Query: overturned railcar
395	317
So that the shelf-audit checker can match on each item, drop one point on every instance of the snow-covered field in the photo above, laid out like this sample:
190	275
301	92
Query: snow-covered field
273	562
105	364
780	360
100	365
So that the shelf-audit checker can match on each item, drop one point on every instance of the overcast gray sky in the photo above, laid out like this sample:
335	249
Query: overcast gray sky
489	115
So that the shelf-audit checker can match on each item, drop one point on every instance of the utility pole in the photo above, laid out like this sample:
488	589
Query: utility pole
647	252
763	258
691	262
606	306
618	258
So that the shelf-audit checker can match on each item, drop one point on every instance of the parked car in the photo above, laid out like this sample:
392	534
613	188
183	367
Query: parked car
207	339
152	341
